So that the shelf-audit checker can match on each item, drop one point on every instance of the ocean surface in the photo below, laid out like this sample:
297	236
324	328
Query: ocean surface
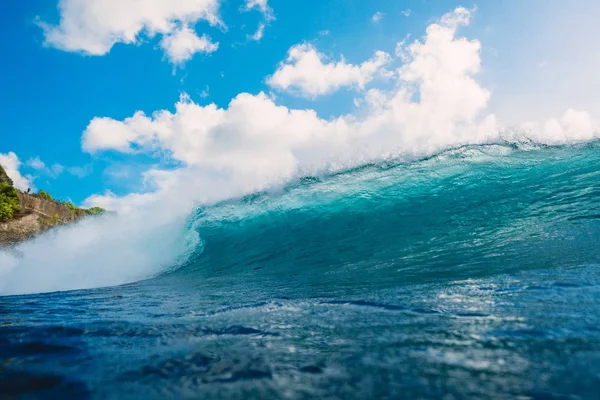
471	274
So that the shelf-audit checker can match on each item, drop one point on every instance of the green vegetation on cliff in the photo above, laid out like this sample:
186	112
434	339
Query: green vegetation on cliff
9	202
45	195
4	178
89	211
72	207
96	211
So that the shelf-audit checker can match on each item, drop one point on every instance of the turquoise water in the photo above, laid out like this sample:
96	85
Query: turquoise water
470	274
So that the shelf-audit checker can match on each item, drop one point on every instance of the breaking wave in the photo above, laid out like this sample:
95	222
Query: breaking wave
462	213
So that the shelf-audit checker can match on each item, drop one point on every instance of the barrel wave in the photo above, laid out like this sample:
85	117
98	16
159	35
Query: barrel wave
464	213
471	273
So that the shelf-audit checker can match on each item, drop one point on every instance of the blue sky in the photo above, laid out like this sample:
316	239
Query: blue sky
537	60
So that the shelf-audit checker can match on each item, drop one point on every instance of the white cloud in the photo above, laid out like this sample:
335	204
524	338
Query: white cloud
443	66
262	6
459	17
157	182
106	133
401	51
258	34
324	32
205	93
94	26
36	163
436	103
377	17
11	164
127	204
407	12
181	44
306	72
80	172
54	171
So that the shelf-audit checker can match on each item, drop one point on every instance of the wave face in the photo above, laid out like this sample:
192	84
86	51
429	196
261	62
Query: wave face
469	274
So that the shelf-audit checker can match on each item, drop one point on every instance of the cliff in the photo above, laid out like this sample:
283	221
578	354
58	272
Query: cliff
24	215
37	215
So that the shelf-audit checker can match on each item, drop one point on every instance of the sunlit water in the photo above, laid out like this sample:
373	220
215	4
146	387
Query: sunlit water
471	274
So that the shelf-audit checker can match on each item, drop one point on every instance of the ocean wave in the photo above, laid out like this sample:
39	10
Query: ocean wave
464	212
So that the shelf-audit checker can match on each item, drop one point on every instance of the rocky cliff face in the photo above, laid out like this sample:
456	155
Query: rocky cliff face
36	216
21	229
52	210
23	215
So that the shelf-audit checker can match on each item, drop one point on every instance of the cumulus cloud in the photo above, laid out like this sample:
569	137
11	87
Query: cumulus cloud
93	27
158	181
308	73
435	103
181	45
443	67
106	134
11	164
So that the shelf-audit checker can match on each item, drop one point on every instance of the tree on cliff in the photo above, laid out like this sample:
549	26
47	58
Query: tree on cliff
4	177
9	202
45	195
96	211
